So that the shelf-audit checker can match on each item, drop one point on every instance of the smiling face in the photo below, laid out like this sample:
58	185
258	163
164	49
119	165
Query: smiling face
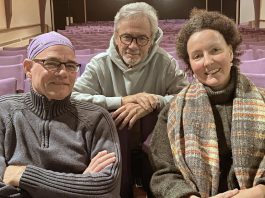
210	58
133	54
54	85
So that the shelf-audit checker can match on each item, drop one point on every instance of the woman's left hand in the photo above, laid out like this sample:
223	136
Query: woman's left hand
254	192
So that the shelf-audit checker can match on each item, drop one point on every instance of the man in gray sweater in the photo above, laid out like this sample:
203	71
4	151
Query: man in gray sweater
133	78
51	145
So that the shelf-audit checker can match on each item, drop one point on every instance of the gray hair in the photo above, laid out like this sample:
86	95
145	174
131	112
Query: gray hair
137	9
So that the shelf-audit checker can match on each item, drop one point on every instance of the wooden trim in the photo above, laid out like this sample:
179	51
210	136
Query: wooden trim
42	7
237	12
261	20
18	28
17	40
256	12
9	42
8	10
252	23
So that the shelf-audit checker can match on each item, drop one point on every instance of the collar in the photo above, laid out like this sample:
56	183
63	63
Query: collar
227	94
45	108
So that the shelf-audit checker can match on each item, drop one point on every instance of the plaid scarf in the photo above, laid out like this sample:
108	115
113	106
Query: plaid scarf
193	139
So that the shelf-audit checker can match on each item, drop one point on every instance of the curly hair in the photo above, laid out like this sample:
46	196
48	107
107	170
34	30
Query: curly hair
201	20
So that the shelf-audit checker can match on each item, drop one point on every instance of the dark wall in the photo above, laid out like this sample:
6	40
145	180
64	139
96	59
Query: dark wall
229	8
214	5
76	9
226	7
68	8
105	10
167	9
176	9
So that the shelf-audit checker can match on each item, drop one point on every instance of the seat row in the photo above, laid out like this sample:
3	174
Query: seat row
96	40
254	69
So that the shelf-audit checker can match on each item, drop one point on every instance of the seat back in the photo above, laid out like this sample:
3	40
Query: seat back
99	50
255	47
83	52
253	66
15	48
260	53
257	79
136	167
247	55
14	52
14	71
11	60
8	86
83	60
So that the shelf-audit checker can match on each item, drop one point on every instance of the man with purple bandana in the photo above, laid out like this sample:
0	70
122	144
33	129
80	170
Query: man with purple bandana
51	145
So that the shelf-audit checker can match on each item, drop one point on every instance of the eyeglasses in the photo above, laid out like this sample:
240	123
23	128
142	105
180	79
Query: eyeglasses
127	39
56	65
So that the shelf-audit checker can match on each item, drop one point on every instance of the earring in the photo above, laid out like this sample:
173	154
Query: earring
28	75
194	78
206	69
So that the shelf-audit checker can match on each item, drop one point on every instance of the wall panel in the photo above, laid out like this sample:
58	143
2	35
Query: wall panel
2	15
214	5
167	9
67	8
246	11
229	8
25	13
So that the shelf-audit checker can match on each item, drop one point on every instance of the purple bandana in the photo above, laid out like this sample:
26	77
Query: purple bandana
43	41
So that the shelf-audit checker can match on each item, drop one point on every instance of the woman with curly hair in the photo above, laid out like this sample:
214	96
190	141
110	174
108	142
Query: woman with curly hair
209	141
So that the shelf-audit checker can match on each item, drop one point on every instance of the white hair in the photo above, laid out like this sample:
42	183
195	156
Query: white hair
137	9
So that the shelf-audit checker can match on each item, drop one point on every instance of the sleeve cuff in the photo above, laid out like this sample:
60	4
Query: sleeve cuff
164	100
113	103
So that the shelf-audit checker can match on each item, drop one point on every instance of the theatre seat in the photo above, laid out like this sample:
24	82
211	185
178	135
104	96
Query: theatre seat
253	66
8	86
257	79
14	71
136	168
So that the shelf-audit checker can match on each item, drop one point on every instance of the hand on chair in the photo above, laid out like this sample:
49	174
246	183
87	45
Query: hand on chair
146	100
129	114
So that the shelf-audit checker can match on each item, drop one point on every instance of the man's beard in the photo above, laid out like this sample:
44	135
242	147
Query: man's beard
131	62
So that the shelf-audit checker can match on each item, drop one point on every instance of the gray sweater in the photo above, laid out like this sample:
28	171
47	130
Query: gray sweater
56	141
107	79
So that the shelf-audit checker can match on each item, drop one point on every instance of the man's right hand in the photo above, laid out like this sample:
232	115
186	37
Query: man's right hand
148	101
128	114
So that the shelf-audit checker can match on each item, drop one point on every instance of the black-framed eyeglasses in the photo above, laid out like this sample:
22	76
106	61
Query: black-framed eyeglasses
56	65
127	39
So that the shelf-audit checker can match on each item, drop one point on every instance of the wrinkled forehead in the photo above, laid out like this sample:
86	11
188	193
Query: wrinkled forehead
135	26
59	52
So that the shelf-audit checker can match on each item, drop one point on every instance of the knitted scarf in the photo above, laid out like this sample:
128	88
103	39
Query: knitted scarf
193	139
